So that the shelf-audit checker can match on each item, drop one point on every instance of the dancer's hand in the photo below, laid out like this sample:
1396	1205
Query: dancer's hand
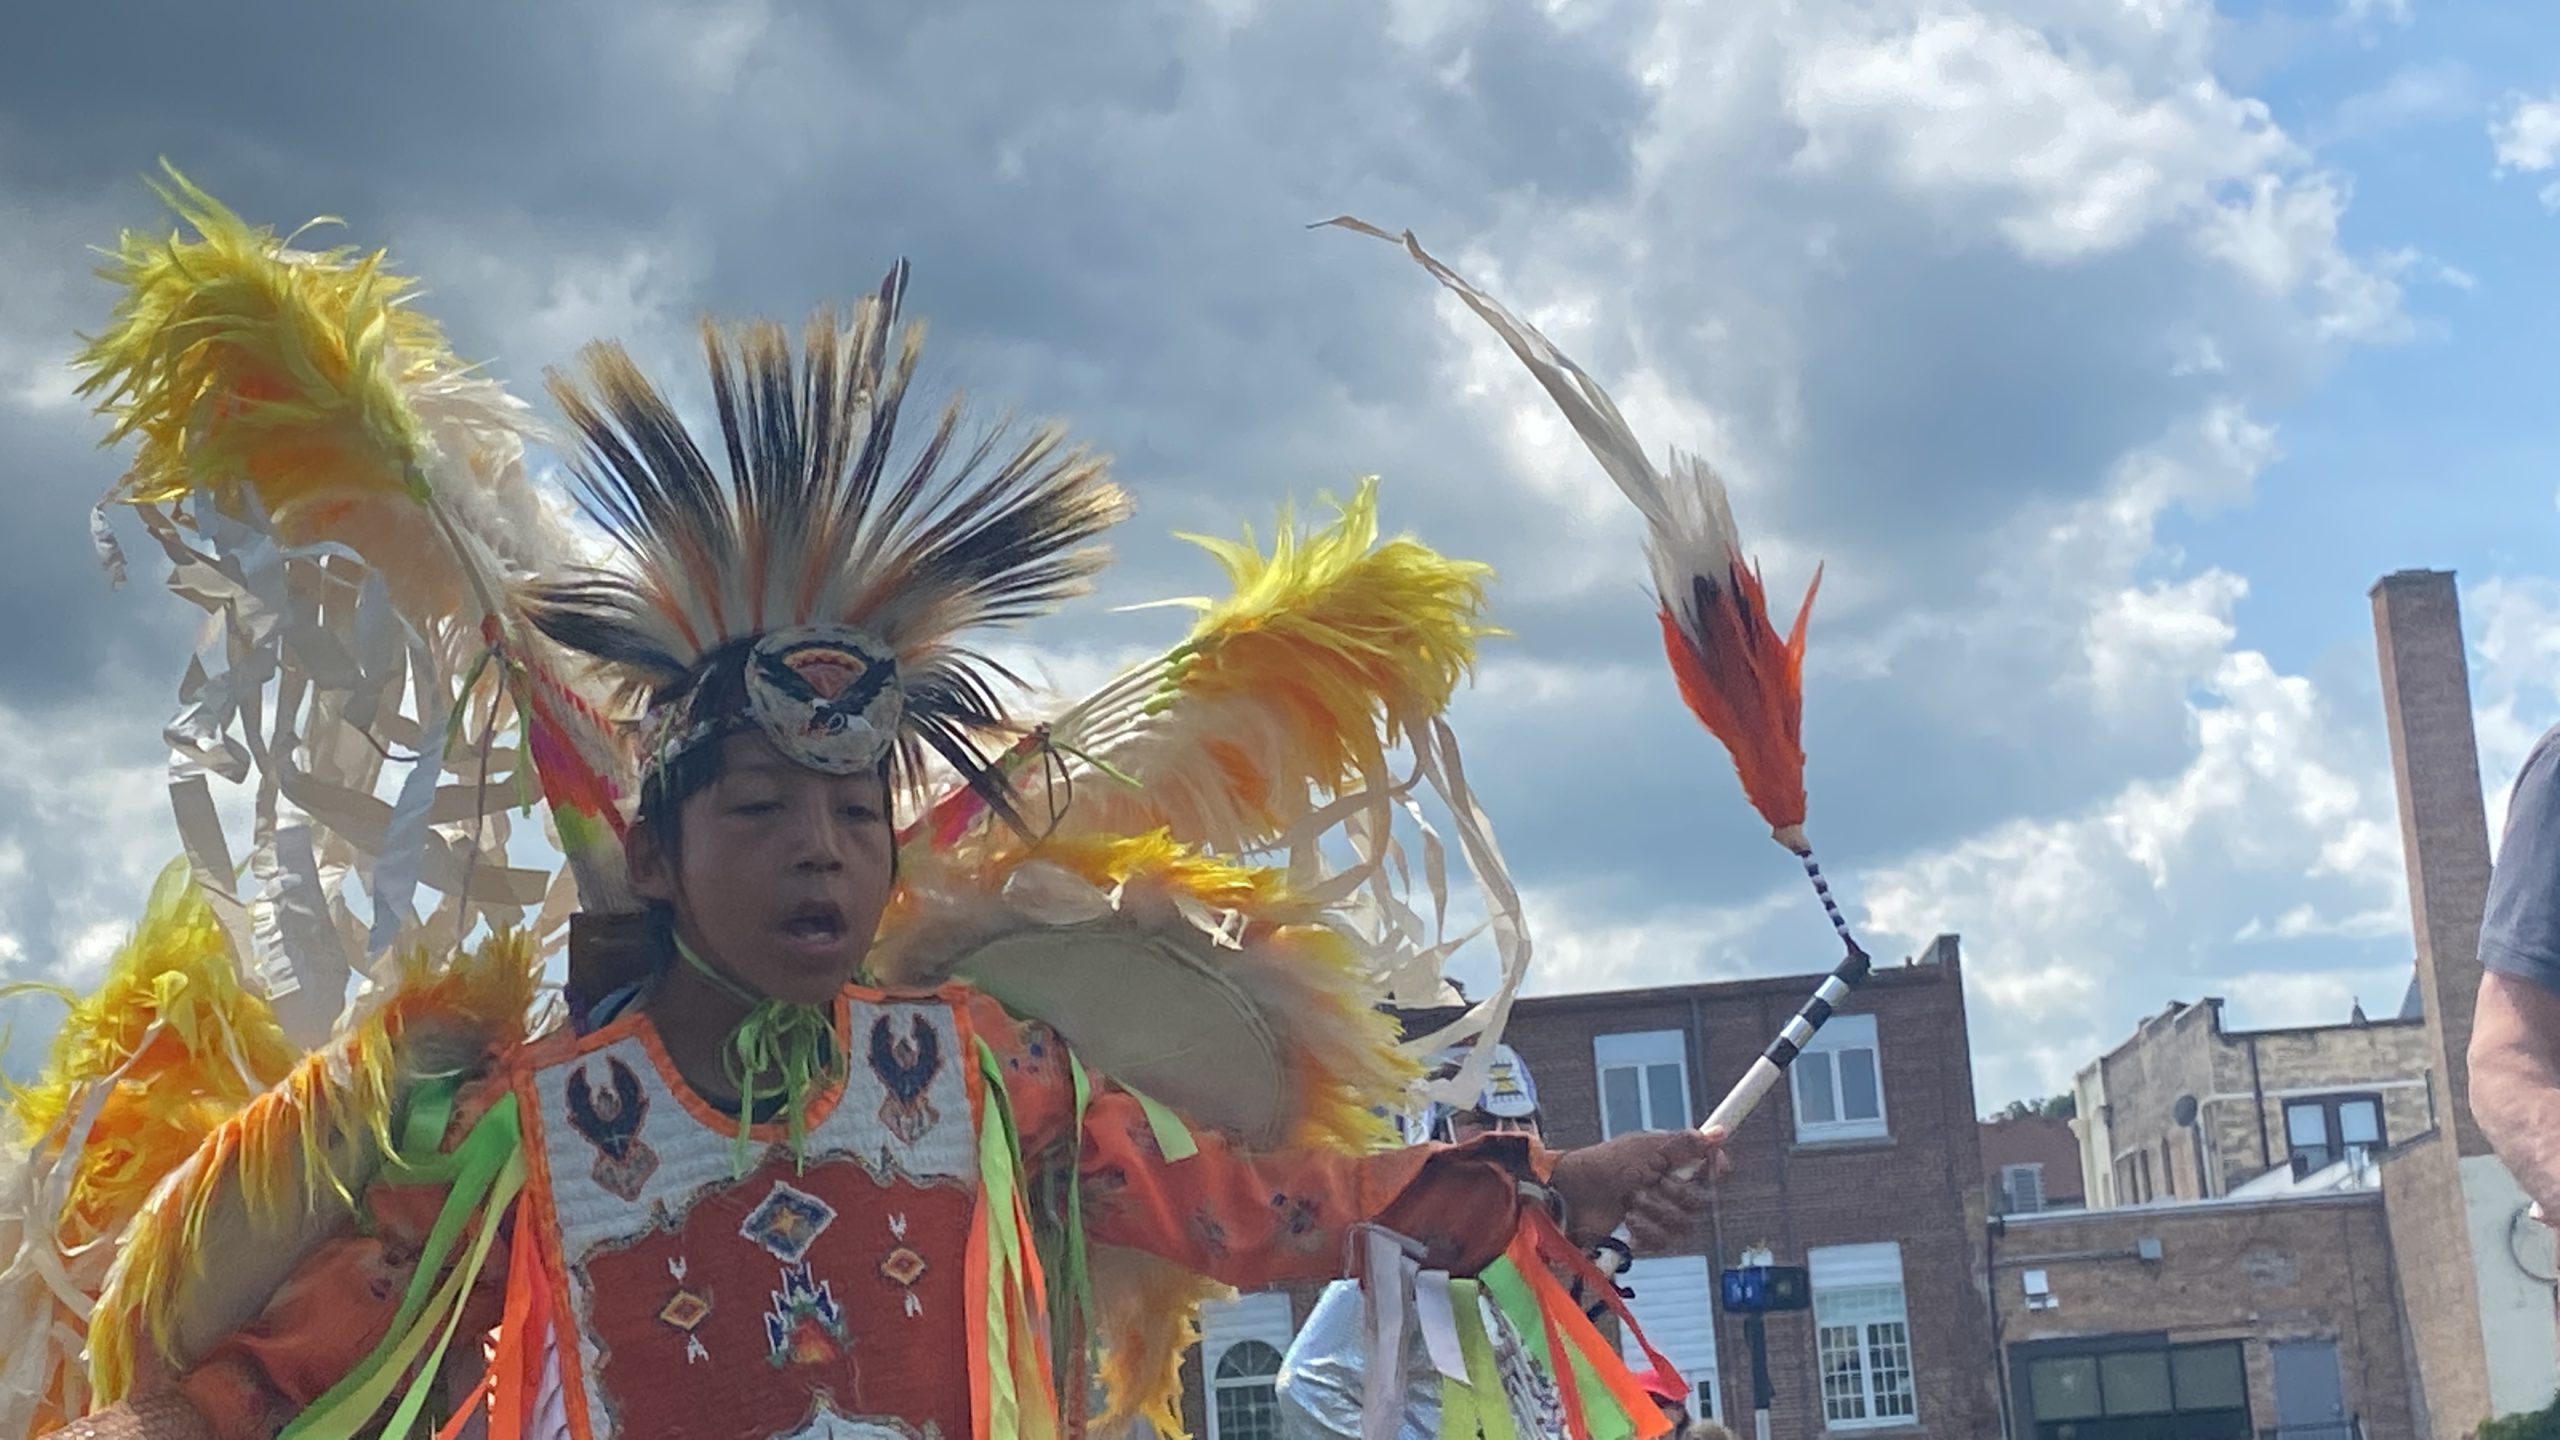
1636	1180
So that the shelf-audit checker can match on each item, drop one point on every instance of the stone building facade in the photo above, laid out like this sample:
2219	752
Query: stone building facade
2186	1109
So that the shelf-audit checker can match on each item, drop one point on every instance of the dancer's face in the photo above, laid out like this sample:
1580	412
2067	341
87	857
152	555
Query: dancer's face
778	874
1472	1123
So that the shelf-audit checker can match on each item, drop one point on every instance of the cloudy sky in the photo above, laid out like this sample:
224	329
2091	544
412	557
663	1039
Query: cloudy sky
2107	351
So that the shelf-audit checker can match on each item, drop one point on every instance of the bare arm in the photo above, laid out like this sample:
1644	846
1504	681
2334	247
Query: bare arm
2515	1080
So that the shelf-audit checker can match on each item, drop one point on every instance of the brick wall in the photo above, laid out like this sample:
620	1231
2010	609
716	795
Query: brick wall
2034	1140
2308	1268
2444	827
1922	1187
2426	694
2439	1289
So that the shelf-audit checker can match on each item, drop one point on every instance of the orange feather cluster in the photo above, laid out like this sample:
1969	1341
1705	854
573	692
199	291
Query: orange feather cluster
1746	685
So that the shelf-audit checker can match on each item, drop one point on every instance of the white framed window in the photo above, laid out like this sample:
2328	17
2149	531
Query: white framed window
1839	1082
1244	1398
1862	1337
1241	1343
2021	1189
1675	1302
1644	1081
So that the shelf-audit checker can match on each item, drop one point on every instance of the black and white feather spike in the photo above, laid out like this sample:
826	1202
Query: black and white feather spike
822	518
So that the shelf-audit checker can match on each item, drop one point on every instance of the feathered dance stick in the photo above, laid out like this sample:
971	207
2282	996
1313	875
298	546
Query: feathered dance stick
1739	677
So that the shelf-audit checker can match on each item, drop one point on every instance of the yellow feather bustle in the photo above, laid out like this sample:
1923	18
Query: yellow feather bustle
188	1043
181	1046
252	1191
1329	651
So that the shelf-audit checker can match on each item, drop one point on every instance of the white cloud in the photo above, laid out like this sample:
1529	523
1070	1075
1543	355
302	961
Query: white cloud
534	302
2073	919
2527	137
2527	140
2078	157
2411	95
2273	999
2514	628
2302	922
84	827
2284	238
1506	680
1582	944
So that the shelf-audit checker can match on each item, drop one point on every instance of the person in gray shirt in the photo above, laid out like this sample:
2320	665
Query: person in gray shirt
2515	1033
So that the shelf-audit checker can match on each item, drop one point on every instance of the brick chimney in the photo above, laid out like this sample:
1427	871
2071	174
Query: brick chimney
2444	829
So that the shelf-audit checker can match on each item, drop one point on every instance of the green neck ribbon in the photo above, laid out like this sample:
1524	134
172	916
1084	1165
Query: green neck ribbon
794	1045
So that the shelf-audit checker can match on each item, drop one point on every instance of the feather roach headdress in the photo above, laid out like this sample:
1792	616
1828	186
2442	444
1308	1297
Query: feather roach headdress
814	591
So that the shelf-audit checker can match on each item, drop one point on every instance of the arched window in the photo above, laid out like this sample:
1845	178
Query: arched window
1243	1403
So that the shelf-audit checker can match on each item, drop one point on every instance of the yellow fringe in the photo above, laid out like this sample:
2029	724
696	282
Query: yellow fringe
274	1154
1146	1315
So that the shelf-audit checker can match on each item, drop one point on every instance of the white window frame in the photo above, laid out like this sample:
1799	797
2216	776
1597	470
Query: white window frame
1860	1276
1261	1318
1642	1051
1841	1033
1652	1275
2033	1170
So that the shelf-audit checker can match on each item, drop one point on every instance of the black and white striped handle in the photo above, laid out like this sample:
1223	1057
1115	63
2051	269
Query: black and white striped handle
1746	1096
1756	1082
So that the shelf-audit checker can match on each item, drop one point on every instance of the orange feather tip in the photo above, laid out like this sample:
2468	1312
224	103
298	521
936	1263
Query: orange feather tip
1746	685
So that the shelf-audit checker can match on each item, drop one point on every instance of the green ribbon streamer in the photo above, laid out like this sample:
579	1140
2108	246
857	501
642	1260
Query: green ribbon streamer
1172	1136
1601	1414
484	1172
1066	1260
999	1176
1484	1376
1460	1417
775	1037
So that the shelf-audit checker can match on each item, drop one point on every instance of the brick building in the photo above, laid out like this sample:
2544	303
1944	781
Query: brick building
2031	1163
1867	1168
2208	1320
2300	1232
2186	1109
